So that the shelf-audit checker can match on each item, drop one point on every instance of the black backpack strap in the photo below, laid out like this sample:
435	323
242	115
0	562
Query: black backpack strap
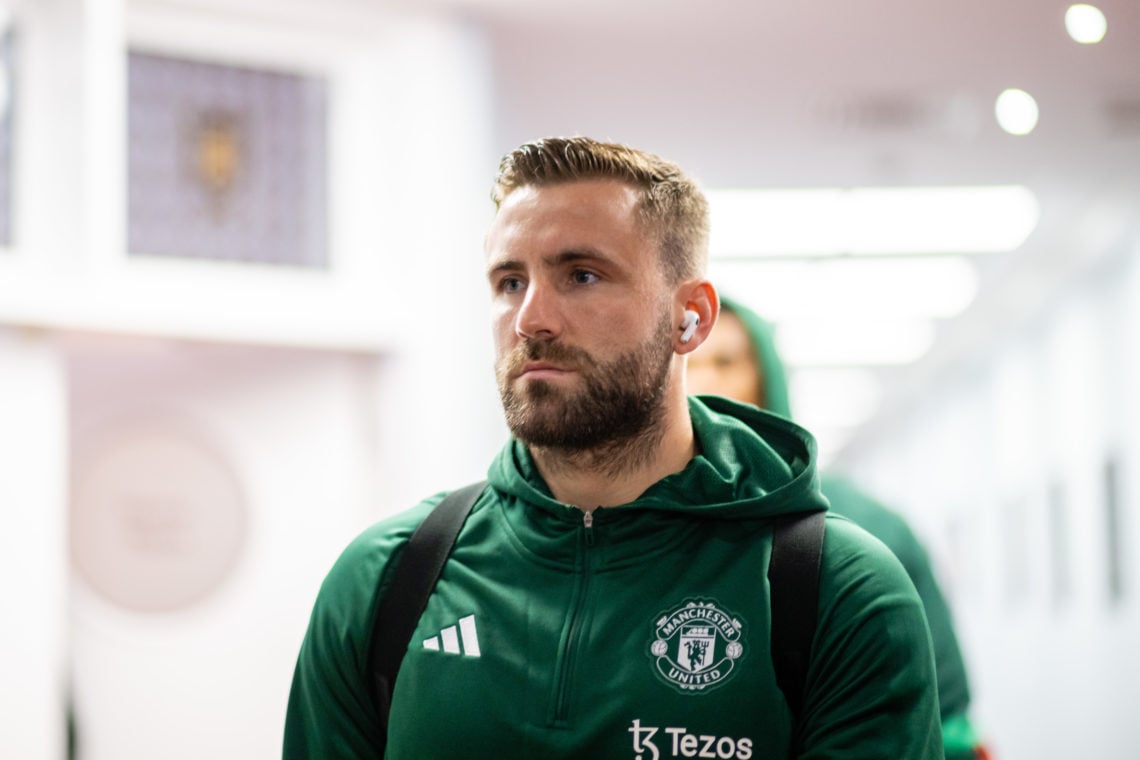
413	578
793	577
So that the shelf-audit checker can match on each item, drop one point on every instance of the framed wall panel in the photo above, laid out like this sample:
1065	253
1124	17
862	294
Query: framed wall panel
226	163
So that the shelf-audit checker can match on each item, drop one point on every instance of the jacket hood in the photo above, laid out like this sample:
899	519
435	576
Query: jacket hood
775	378
750	464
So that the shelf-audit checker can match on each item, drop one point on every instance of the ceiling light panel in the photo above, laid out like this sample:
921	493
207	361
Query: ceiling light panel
830	441
835	397
844	342
823	222
933	287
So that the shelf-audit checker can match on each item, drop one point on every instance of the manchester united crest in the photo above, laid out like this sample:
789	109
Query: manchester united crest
697	645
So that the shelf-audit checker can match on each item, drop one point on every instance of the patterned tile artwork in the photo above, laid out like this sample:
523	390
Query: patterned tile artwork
226	163
7	103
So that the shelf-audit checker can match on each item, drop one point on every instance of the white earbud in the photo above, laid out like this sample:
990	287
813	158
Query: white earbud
689	325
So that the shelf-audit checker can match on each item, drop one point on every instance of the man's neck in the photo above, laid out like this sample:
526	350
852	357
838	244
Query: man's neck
619	473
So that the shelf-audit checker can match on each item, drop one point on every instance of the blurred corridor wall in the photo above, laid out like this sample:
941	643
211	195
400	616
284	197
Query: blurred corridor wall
208	677
323	442
245	419
1021	466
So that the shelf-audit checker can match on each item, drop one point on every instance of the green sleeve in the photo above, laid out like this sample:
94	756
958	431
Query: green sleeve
953	687
871	690
890	528
331	713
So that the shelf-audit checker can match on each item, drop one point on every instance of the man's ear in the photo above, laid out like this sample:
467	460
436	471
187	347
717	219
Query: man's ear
697	297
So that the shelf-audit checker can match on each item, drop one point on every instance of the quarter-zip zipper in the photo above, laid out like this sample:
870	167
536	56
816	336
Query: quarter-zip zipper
561	708
588	526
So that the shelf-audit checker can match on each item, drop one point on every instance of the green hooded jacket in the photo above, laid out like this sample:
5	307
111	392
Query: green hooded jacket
641	632
890	528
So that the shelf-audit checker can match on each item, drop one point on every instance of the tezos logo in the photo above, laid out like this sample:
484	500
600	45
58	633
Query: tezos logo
678	742
697	645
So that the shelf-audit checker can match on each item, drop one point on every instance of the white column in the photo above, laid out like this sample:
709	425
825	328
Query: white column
33	551
104	132
439	409
69	199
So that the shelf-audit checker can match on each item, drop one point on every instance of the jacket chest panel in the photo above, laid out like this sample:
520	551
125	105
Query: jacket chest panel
593	663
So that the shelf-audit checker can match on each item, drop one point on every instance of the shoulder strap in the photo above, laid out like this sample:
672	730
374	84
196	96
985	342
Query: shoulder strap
793	578
413	579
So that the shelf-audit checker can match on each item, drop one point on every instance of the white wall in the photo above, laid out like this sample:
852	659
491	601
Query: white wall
336	398
324	442
289	425
437	399
974	462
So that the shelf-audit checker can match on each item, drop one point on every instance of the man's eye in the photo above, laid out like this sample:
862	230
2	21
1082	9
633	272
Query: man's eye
583	277
510	285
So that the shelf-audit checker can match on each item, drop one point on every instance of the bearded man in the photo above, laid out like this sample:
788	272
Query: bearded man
606	596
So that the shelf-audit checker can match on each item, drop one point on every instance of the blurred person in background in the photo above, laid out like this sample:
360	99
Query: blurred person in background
606	596
739	360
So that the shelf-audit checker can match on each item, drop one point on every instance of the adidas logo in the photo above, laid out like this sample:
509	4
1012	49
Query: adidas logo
453	634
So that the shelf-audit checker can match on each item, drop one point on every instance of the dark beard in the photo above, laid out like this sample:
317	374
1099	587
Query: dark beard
619	411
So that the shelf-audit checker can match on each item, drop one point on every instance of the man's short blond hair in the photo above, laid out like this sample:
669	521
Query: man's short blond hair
672	208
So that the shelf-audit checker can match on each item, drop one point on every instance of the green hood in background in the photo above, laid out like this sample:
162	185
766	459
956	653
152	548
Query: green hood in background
775	378
959	738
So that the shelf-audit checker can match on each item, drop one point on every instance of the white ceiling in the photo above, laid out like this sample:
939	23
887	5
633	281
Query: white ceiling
827	92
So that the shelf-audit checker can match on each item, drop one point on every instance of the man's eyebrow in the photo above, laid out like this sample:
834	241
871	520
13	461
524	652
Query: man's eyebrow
505	265
562	258
575	255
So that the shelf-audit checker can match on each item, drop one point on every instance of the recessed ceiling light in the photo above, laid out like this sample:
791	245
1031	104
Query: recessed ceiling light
1016	111
1086	24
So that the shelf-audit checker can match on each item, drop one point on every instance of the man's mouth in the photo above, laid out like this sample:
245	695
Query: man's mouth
539	370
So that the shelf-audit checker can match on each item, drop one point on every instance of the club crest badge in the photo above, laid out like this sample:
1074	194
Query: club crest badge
697	645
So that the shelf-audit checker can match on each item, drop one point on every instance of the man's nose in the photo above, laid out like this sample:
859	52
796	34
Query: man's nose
540	315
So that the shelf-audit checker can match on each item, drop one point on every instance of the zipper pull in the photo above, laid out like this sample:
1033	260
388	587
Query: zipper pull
588	524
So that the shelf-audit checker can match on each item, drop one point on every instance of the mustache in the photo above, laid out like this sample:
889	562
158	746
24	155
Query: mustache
544	350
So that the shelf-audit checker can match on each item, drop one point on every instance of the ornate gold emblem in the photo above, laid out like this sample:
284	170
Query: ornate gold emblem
217	156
